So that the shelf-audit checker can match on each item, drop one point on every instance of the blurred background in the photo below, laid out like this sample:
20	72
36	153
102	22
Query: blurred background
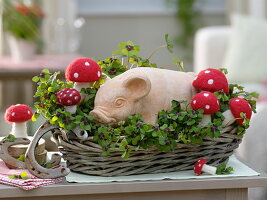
37	34
207	33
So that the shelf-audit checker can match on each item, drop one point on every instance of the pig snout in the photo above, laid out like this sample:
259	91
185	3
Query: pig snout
102	117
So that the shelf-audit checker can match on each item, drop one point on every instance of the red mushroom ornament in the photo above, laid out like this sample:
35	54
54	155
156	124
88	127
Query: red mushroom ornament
237	106
83	71
201	166
212	80
69	97
18	115
208	102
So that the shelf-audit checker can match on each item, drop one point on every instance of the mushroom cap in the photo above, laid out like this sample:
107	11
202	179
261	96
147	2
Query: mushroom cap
18	113
212	80
239	105
206	101
199	165
68	97
83	70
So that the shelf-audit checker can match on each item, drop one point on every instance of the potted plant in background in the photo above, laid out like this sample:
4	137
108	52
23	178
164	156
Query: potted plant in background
22	24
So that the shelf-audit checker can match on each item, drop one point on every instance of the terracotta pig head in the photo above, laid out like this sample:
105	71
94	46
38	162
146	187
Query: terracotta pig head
144	91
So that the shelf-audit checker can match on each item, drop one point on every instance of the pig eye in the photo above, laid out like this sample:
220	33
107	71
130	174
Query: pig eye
119	102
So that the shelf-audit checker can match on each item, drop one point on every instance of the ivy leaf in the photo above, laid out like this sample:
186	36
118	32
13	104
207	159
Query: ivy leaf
169	43
223	70
23	175
162	140
179	63
48	165
35	79
22	158
125	155
46	71
13	176
10	138
223	169
136	140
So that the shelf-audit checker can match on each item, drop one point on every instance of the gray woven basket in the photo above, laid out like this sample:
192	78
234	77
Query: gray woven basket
85	157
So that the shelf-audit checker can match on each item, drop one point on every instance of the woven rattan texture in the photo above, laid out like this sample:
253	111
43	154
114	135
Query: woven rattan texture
85	157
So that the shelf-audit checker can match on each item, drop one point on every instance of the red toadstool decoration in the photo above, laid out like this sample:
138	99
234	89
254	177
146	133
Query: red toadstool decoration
18	115
237	106
212	80
69	97
83	71
208	102
201	166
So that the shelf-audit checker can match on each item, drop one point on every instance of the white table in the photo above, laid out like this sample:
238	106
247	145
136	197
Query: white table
201	189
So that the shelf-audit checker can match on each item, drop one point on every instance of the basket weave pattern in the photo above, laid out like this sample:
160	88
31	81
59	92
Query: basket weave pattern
85	157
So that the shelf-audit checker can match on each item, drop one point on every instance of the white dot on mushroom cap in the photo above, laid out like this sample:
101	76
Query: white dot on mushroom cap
87	63
237	100
210	81
98	74
13	114
69	101
64	95
207	106
218	102
68	91
76	97
29	112
71	95
199	165
194	102
206	94
207	71
76	75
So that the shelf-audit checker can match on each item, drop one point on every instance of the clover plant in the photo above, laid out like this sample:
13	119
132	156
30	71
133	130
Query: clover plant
177	126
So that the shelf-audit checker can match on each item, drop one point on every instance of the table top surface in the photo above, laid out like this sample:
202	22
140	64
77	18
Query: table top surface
137	186
38	62
9	69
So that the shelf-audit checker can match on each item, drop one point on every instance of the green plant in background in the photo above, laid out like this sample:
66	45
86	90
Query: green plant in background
187	17
22	21
126	57
179	125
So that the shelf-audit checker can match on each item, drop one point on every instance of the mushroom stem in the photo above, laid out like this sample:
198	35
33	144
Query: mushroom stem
19	130
209	169
71	109
228	118
205	120
79	86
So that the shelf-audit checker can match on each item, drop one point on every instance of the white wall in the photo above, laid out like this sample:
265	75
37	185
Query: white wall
101	34
145	22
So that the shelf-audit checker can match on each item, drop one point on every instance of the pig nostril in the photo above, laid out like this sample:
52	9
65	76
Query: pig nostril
112	121
93	114
101	117
96	116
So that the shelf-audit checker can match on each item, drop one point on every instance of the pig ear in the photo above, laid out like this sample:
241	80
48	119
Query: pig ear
138	86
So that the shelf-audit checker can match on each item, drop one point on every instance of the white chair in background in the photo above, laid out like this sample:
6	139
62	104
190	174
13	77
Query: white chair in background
209	51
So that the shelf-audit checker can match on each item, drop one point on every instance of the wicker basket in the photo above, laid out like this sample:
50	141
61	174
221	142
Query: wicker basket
86	157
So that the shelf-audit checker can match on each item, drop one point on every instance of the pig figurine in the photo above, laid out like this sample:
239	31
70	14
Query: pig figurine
144	91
